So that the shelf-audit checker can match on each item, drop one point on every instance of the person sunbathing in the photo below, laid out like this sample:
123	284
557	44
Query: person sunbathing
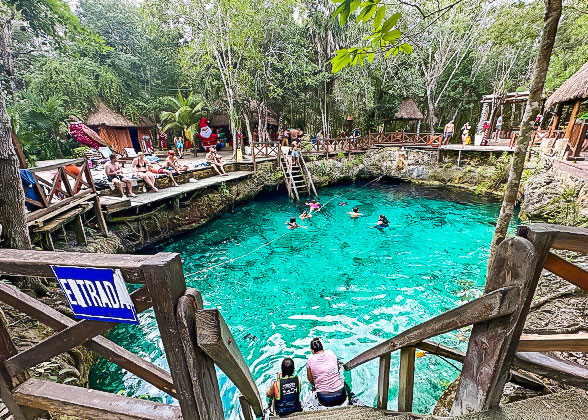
140	168
172	163
216	161
156	168
114	174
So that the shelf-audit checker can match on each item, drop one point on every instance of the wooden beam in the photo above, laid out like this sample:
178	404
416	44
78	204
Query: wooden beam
165	280
573	116
57	165
406	379
78	227
38	263
21	157
51	209
100	345
245	408
489	306
566	237
553	342
492	344
567	271
384	381
556	118
551	367
216	340
201	367
69	338
89	403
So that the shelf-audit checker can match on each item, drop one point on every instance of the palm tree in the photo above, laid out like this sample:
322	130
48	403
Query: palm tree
184	119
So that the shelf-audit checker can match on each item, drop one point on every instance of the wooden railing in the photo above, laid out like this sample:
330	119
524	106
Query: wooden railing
496	343
194	340
308	177
401	137
342	144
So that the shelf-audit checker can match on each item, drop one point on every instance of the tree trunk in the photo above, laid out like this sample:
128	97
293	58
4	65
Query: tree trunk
13	222
6	49
532	108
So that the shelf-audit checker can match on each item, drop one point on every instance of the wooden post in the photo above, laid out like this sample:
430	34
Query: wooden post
97	207
79	232
165	280
245	408
21	157
384	381
406	379
575	110
556	118
493	344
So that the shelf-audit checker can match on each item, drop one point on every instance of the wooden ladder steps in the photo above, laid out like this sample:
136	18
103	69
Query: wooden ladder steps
90	404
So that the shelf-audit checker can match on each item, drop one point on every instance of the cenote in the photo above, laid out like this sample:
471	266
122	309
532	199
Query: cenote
338	279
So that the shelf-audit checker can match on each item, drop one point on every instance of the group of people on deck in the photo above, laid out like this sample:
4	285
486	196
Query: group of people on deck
315	206
322	372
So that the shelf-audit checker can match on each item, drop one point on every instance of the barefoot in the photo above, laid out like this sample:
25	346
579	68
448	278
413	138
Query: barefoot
154	189
176	185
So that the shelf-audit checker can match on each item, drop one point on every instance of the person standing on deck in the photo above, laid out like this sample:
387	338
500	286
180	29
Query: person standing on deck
498	127
448	132
179	146
465	133
285	390
293	136
322	370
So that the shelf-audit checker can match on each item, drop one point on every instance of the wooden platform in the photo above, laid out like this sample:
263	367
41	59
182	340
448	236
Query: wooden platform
115	204
460	148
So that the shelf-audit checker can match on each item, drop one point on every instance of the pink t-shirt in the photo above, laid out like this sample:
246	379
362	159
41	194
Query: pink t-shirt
325	371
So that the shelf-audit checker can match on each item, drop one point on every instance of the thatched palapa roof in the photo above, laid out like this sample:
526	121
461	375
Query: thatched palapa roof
106	116
408	111
145	122
220	120
576	87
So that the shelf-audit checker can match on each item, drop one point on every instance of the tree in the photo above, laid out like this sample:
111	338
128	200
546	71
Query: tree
553	9
184	118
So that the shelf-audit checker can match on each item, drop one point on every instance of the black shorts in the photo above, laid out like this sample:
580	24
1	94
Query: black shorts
331	399
112	177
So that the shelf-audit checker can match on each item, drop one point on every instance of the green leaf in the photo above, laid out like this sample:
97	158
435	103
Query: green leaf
390	22
371	57
392	35
366	13
379	17
406	47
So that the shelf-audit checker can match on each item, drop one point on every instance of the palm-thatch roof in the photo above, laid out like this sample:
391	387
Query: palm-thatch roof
576	87
106	116
222	119
408	111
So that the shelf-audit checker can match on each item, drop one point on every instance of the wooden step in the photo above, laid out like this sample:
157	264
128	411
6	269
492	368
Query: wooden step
64	218
90	404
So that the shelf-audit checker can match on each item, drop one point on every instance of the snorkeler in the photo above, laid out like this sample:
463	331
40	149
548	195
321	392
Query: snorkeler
313	205
292	224
382	222
305	215
355	214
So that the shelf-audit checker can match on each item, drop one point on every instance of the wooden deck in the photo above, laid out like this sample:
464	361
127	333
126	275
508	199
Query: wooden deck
115	204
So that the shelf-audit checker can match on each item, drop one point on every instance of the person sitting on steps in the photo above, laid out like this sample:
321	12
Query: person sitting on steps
322	370
285	390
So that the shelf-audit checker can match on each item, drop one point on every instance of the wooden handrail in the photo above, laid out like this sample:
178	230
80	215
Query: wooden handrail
567	271
566	237
216	340
308	176
489	306
553	342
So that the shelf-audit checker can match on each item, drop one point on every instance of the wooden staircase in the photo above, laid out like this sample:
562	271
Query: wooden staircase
298	179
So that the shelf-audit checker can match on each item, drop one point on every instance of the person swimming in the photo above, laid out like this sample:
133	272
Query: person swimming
305	215
382	222
292	224
343	203
355	214
313	205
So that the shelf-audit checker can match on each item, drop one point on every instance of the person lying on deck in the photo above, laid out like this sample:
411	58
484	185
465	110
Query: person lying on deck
285	390
355	214
156	168
322	370
114	174
216	161
171	163
140	167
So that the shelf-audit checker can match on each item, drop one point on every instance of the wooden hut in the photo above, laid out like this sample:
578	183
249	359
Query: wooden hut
568	100
116	130
408	112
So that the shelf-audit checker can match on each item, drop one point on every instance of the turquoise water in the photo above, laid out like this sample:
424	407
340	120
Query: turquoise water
338	279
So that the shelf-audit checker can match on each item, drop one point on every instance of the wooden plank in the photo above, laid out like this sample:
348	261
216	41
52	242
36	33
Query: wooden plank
62	219
54	208
553	342
551	367
572	120
57	165
165	280
89	403
100	345
200	366
439	349
492	305
37	263
566	237
406	379
245	408
216	340
69	338
383	381
567	271
78	227
492	345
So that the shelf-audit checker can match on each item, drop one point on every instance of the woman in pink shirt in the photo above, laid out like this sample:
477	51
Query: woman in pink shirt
322	369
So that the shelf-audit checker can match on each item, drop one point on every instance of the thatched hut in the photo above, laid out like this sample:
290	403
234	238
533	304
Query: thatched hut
408	112
117	131
568	100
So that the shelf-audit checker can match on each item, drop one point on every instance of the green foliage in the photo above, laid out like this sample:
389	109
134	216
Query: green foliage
185	115
496	179
564	209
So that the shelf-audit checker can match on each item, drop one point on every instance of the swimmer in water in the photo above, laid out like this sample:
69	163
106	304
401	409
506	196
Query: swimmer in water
305	215
292	224
382	222
343	203
355	214
313	205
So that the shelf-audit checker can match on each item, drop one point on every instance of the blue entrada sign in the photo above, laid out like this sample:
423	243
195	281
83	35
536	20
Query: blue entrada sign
99	294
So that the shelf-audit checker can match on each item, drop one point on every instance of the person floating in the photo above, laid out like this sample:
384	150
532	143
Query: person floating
285	390
322	370
305	215
313	206
382	222
293	224
355	214
114	174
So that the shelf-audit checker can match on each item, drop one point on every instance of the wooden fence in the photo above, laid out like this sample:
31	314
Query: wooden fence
194	340
498	317
401	137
